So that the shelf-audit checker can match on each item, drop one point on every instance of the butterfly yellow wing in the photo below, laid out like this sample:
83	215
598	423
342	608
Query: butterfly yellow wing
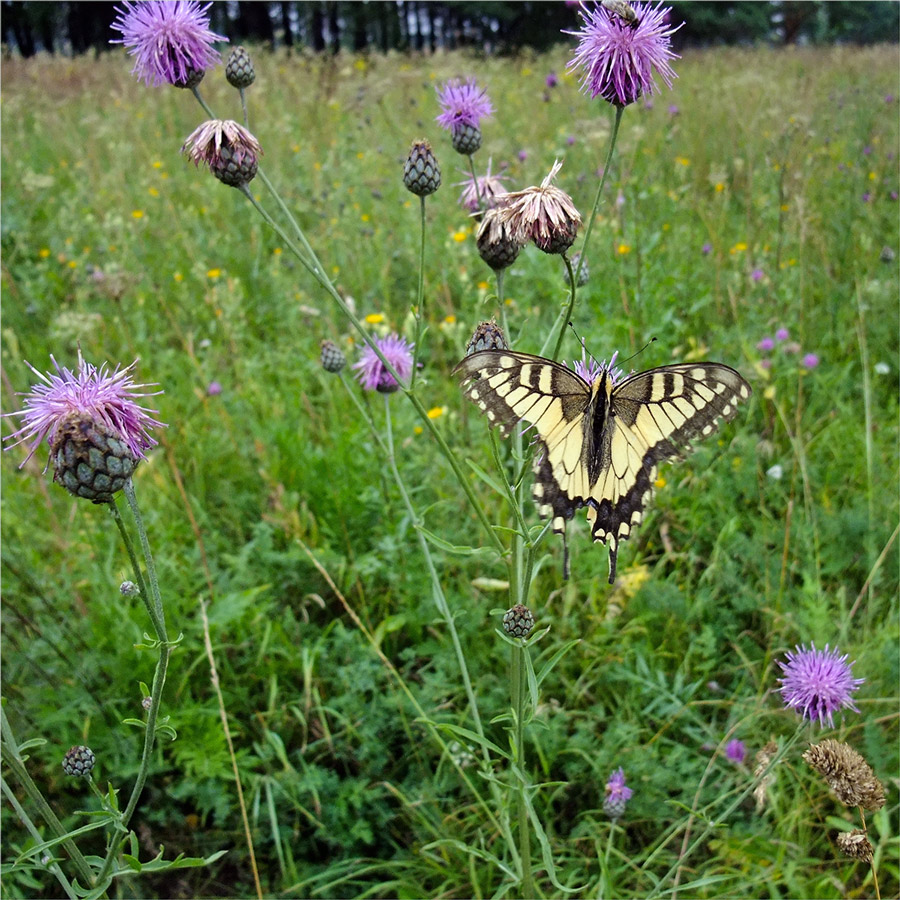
600	444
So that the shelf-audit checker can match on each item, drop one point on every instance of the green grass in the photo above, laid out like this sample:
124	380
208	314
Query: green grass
346	787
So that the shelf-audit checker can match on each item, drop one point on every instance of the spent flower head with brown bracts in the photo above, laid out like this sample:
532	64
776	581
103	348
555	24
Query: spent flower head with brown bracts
618	56
817	683
170	40
229	150
544	214
481	193
463	106
495	242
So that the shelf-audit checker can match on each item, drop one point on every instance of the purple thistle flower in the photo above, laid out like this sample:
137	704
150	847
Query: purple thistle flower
489	186
706	249
552	81
462	104
170	40
810	361
735	751
765	345
618	58
372	374
673	110
782	334
866	197
590	370
213	389
757	274
104	396
817	683
617	794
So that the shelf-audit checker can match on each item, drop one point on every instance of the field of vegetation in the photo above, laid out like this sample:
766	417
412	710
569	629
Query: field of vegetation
353	597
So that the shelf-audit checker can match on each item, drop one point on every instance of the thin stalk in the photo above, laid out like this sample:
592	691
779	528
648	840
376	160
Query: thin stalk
517	665
244	109
420	295
148	560
560	326
862	816
475	181
37	837
566	317
9	747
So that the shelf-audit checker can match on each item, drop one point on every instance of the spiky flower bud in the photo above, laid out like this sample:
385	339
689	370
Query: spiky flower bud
333	359
847	773
191	80
89	460
129	589
239	68
465	138
78	761
487	336
518	621
421	172
495	242
856	845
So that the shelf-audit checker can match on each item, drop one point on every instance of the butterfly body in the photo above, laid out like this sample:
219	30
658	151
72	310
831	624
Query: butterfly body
600	442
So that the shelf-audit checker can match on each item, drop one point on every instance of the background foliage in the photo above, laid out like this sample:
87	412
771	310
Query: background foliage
758	195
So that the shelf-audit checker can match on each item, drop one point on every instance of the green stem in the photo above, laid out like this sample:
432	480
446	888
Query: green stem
566	316
37	837
420	298
9	747
517	665
160	621
559	328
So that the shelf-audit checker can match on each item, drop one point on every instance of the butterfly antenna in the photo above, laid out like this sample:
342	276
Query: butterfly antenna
585	349
638	352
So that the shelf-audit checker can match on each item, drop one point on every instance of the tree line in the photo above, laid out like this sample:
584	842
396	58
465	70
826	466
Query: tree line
490	26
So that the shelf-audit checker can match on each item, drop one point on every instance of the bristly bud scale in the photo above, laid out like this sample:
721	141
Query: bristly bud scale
421	172
239	69
847	773
333	359
89	461
495	242
79	761
466	139
487	336
518	621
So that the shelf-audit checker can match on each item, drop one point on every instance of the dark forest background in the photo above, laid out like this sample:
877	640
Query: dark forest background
328	26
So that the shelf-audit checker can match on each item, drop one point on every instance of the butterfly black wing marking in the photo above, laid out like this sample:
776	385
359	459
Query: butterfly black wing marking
601	445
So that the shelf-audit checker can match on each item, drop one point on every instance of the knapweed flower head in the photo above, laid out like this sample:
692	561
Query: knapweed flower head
545	215
810	361
462	103
735	751
110	399
170	40
817	683
617	794
495	242
483	193
371	372
231	152
618	57
590	369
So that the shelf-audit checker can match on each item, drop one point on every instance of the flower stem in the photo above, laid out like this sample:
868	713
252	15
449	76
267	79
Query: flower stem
862	816
420	298
475	181
517	666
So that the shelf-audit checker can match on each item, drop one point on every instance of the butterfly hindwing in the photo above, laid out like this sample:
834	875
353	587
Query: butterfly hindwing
600	445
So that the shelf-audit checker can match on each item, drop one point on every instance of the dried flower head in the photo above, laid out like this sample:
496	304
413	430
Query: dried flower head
762	760
545	215
371	372
617	794
482	192
618	55
817	683
495	241
847	773
109	399
170	40
231	152
856	845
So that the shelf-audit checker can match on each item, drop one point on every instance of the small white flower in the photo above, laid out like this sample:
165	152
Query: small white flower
882	368
775	472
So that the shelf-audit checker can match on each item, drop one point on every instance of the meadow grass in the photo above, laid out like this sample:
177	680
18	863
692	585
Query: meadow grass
762	202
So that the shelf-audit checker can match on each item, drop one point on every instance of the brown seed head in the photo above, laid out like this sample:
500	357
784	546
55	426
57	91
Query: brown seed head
847	773
856	845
